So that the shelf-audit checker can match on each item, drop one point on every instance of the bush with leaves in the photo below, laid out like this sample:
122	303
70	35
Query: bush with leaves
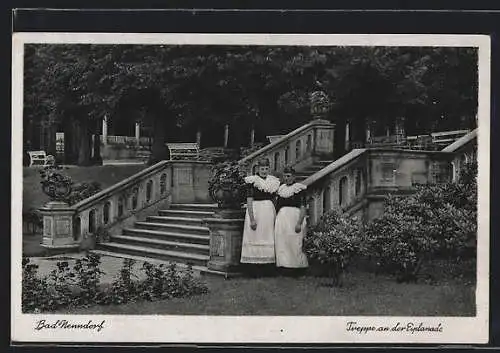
164	283
36	296
82	191
436	221
333	243
80	286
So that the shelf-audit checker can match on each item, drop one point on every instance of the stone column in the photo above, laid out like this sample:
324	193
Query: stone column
105	130
137	132
347	140
226	135
58	227
226	234
252	137
198	138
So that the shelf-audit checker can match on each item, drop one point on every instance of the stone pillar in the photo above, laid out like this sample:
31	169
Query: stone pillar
198	137
137	132
58	227
347	140
226	234
252	137
324	138
226	135
105	130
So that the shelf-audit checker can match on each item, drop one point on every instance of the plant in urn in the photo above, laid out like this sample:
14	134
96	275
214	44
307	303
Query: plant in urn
227	188
55	184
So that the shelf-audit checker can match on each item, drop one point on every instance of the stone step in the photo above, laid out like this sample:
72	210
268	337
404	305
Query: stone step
167	255
172	227
176	220
205	207
169	236
186	214
162	244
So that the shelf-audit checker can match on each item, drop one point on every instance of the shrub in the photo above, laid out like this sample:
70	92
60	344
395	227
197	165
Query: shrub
88	277
124	288
80	285
161	283
82	191
333	243
436	221
36	296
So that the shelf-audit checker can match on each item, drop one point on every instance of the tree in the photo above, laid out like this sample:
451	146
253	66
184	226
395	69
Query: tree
262	88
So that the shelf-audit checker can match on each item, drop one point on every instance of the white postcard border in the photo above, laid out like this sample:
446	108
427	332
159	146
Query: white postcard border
253	329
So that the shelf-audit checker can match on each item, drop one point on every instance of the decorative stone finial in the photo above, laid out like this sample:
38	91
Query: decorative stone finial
320	104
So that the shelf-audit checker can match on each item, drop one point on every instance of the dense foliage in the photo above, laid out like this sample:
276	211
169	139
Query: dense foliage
333	243
438	221
176	90
80	285
226	185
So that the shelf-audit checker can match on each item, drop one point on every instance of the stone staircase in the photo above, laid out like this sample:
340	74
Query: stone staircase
176	234
303	174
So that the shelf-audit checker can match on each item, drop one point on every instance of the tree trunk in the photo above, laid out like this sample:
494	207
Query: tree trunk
84	138
159	150
51	138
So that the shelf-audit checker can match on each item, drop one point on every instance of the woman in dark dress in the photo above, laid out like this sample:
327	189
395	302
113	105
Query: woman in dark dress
258	252
290	226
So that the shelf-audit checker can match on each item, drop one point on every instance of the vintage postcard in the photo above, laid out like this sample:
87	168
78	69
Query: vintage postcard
250	188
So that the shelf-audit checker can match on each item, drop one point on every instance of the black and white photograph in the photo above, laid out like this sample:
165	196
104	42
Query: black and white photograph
250	188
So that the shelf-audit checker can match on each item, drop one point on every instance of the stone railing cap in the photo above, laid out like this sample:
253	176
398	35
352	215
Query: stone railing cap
310	125
342	161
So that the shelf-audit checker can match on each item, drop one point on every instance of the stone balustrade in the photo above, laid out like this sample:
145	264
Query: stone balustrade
298	148
340	185
121	204
358	182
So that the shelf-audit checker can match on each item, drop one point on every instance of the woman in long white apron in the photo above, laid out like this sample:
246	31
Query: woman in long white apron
258	250
290	226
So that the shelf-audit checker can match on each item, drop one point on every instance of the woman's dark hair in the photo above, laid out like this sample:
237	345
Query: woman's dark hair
263	162
288	170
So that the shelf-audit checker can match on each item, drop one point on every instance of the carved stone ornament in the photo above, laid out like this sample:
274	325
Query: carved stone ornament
320	104
55	185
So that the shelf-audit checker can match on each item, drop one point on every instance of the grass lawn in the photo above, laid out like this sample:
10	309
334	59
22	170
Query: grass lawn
362	294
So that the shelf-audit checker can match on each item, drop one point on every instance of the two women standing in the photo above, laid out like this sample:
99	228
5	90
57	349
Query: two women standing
273	238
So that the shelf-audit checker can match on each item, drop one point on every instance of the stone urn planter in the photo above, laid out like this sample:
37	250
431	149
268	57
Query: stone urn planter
57	214
227	188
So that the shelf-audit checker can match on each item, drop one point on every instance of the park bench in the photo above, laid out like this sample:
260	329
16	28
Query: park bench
273	138
183	150
40	158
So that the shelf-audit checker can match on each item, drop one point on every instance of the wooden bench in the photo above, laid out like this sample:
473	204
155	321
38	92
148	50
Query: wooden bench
183	150
40	158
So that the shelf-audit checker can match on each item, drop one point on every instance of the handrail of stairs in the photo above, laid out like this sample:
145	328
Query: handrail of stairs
334	166
295	147
120	186
143	191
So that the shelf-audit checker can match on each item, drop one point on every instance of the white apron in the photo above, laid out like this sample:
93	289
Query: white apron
258	245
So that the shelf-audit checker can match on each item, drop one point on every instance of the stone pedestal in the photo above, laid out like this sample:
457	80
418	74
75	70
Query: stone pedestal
226	233
58	227
324	139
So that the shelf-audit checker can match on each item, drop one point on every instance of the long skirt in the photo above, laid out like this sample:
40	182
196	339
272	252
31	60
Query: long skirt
289	251
258	245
